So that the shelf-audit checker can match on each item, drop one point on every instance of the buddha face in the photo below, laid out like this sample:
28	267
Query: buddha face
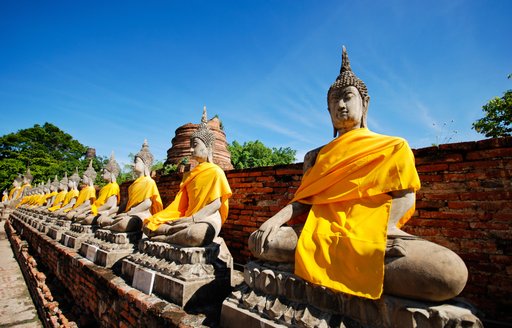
199	150
15	183
138	166
347	108
85	179
106	175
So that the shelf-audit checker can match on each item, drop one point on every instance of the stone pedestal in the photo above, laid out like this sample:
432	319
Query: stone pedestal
56	230
182	275
43	224
272	296
107	247
78	233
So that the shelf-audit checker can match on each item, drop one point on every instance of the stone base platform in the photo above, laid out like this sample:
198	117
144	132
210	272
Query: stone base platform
182	275
102	298
56	230
78	233
43	224
272	296
106	248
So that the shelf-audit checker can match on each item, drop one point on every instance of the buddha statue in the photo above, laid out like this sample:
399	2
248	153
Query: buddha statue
107	203
16	188
45	196
52	188
50	197
27	180
200	207
87	194
143	197
357	192
5	196
71	195
59	198
27	196
13	199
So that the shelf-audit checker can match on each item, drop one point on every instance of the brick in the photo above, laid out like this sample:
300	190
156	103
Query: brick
432	168
489	153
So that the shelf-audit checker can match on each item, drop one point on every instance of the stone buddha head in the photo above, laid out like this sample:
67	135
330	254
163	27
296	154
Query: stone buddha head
55	184
27	177
89	175
202	141
347	99
74	180
47	186
143	160
63	184
111	170
17	181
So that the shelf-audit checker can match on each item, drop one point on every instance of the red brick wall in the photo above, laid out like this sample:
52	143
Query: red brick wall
464	204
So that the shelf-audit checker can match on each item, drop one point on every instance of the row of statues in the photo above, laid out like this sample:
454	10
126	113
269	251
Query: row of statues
342	230
194	218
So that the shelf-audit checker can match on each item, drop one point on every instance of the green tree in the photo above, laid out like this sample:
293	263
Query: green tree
498	117
255	154
47	150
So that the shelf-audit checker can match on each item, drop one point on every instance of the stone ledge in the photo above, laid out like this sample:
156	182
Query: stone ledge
101	294
286	300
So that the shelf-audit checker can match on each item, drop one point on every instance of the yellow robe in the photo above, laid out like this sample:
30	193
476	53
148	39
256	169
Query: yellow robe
141	189
5	198
73	193
22	190
85	194
44	199
33	199
24	200
343	242
13	192
57	203
205	183
106	192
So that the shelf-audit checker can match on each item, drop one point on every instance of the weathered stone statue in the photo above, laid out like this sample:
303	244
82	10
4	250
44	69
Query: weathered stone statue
87	194
28	195
5	196
53	191
71	195
27	180
45	195
184	259
143	197
196	215
107	203
16	187
59	198
357	191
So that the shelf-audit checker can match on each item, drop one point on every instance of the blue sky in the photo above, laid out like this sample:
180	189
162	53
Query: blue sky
112	73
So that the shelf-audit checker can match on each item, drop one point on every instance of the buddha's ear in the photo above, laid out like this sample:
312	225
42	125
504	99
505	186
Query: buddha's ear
366	103
210	156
